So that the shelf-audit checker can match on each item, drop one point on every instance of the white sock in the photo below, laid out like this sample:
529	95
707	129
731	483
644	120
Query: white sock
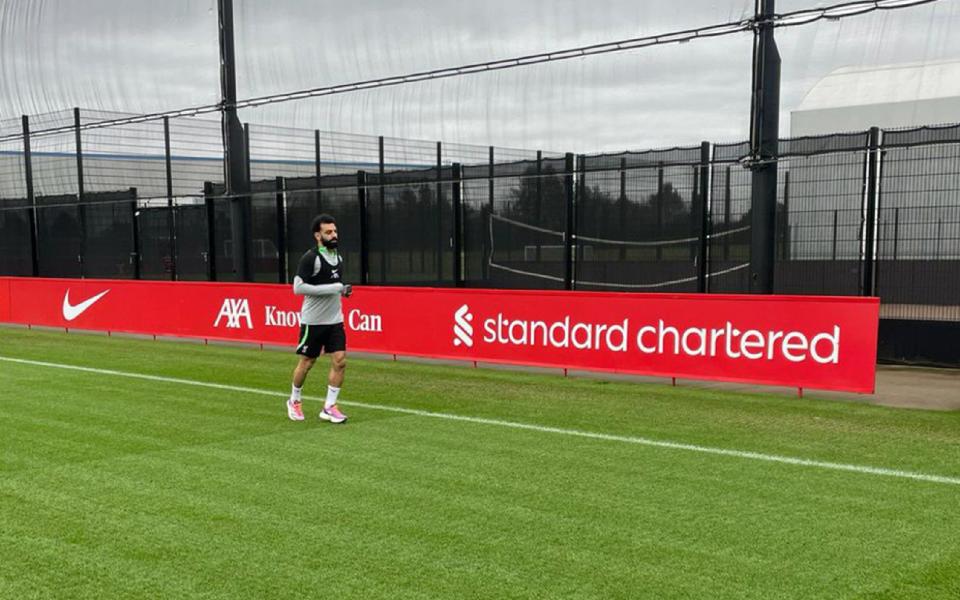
295	394
332	394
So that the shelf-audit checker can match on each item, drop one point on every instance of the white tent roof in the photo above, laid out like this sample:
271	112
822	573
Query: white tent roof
909	82
891	96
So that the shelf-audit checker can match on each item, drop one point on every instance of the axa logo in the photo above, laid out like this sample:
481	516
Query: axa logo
462	329
72	311
233	310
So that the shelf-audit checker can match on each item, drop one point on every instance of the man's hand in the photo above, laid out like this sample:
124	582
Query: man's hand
347	290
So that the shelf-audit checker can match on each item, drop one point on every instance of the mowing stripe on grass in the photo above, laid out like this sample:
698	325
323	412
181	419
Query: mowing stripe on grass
789	460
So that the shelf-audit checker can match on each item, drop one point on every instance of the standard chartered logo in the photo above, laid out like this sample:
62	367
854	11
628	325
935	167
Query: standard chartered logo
462	328
719	339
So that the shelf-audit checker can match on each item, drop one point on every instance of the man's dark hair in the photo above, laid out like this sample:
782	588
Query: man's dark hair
323	219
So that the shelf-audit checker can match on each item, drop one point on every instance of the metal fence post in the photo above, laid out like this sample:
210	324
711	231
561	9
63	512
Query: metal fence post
384	231
703	216
211	231
135	221
246	152
364	233
694	227
881	160
622	202
785	218
457	226
939	238
31	197
171	223
242	209
441	246
896	231
538	207
569	226
491	170
764	149
81	210
869	249
834	253
236	165
281	231
317	194
660	209
491	194
726	216
579	171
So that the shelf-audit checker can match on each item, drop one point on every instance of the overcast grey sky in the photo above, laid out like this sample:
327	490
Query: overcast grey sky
147	55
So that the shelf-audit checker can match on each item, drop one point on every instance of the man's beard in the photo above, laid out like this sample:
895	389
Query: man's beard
329	244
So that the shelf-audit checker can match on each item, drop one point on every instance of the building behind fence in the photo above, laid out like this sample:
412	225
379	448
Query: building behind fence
866	213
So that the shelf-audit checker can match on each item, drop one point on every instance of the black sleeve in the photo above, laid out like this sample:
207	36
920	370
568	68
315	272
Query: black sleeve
305	268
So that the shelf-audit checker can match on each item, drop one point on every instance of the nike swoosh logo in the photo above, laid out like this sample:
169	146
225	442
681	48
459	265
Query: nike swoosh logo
72	311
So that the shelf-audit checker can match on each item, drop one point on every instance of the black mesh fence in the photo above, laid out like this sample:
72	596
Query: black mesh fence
410	225
918	232
515	223
156	224
59	236
729	242
109	247
820	226
301	207
192	256
15	246
336	195
16	212
227	215
637	225
267	228
53	160
478	205
148	200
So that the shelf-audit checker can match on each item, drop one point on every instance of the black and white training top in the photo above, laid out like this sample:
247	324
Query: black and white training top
318	281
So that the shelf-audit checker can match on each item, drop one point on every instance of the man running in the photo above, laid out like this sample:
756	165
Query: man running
318	280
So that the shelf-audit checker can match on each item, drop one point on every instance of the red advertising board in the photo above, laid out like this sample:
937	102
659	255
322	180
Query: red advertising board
4	300
801	341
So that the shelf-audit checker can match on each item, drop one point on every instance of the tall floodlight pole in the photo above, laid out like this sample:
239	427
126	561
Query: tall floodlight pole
236	177
764	133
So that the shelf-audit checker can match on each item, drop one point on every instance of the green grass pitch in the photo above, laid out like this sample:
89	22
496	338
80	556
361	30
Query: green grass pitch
115	486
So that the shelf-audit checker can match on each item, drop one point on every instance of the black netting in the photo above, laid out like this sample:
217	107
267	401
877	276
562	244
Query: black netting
156	255
921	135
266	231
411	177
823	144
59	236
226	220
515	225
192	245
729	250
637	228
724	153
335	195
15	245
798	146
824	224
229	214
636	222
108	244
410	224
649	158
918	232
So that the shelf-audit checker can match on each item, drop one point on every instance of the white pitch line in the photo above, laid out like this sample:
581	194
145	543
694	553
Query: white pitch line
773	458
